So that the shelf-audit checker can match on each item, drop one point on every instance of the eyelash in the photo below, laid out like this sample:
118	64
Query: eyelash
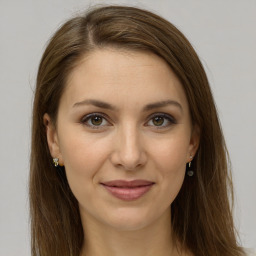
171	120
88	117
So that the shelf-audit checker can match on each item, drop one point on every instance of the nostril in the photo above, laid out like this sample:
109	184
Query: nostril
128	156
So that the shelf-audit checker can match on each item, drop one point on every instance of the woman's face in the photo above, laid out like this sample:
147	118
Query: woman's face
124	135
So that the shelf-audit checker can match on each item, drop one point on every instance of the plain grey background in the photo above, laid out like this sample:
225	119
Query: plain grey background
223	34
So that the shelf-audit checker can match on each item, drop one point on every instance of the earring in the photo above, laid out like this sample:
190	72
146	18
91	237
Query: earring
190	172
55	161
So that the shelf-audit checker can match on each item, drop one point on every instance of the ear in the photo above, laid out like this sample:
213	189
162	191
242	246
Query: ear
194	143
52	138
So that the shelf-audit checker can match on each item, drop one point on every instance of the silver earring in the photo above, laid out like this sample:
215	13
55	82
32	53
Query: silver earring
190	172
55	161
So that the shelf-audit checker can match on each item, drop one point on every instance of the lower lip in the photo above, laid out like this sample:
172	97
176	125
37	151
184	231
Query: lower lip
128	194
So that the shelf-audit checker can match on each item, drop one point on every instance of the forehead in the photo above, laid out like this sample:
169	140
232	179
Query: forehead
123	77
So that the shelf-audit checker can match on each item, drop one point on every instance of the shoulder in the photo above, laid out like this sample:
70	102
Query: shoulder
250	252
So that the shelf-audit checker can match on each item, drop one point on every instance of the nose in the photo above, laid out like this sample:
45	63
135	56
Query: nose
129	152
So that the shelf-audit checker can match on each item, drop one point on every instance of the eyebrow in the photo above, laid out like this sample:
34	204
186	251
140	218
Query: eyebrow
96	103
148	107
161	104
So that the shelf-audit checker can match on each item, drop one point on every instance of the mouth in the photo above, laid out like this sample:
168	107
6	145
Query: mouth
128	190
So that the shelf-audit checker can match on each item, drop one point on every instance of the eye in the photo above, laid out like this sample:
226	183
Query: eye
161	120
95	120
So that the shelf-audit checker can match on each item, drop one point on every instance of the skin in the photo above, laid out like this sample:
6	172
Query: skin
127	144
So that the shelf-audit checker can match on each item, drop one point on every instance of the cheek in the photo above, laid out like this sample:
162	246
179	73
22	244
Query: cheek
80	150
171	154
170	161
83	157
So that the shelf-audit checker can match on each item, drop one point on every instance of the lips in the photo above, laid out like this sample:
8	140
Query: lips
127	184
128	190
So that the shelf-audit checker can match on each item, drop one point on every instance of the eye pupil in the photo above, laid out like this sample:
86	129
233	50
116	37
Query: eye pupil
96	120
158	121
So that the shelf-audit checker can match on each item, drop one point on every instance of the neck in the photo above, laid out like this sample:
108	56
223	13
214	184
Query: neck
104	240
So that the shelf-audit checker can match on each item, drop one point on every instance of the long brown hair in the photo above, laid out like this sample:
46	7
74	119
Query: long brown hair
201	214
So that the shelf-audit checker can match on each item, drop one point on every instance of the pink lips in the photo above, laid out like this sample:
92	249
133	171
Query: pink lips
128	190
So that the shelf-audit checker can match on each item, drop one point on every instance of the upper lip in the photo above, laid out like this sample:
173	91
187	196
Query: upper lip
127	184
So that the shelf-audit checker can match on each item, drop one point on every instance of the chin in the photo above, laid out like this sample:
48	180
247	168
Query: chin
127	224
130	219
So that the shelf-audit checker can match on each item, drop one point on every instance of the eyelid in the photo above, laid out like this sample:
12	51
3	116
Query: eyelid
169	117
87	117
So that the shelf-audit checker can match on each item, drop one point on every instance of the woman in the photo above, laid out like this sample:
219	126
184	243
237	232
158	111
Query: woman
128	157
